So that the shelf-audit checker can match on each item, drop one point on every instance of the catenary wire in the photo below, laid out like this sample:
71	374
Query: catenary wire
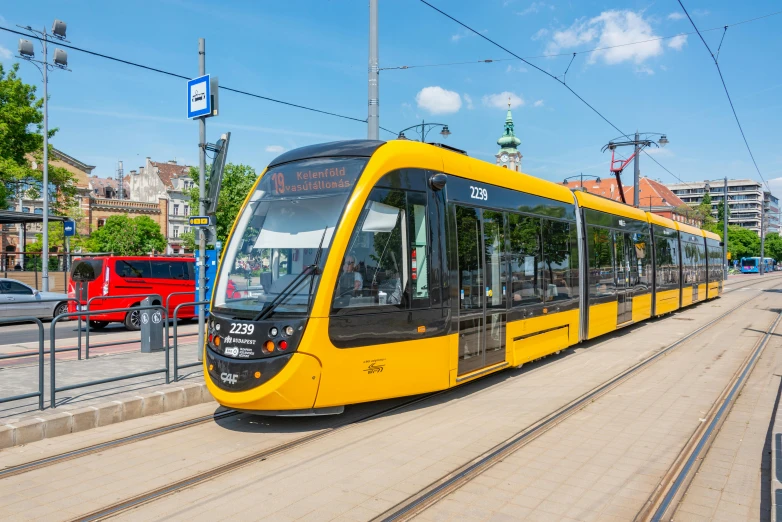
169	73
492	60
724	86
550	76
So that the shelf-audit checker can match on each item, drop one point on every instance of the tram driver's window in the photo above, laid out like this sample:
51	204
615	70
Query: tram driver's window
375	271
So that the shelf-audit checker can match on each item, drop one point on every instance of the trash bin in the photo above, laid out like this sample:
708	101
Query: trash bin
151	328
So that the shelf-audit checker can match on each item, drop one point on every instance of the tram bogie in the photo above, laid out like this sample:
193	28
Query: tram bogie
360	271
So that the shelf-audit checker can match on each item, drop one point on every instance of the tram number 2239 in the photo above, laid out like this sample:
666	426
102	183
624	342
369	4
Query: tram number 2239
242	328
479	193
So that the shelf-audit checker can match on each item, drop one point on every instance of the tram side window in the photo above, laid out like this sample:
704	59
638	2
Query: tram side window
701	251
601	264
560	255
640	245
387	260
419	248
689	263
525	259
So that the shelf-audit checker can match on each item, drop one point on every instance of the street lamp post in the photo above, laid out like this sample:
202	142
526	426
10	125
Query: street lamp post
581	177
444	132
26	52
638	144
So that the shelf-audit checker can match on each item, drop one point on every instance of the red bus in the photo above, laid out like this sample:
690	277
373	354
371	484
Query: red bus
131	276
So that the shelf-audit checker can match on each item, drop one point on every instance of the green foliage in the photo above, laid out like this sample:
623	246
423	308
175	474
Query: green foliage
21	133
237	182
742	242
773	246
128	236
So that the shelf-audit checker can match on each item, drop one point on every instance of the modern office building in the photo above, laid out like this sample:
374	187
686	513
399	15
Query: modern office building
745	201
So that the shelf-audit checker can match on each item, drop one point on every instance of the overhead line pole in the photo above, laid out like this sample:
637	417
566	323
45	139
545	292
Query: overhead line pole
45	188
373	114
725	229
636	173
201	207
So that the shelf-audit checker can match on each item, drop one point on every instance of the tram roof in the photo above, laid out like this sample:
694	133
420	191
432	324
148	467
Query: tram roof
347	148
609	206
711	235
656	219
684	227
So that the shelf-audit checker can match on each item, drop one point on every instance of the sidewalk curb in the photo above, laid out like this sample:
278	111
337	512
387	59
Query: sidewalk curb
59	423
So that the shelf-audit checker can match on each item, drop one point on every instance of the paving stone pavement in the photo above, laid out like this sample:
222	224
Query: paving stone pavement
17	380
358	472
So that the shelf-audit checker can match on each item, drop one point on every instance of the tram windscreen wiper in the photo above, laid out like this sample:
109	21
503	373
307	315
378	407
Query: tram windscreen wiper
285	292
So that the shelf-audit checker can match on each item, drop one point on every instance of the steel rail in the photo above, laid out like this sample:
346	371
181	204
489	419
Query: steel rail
95	448
665	499
452	481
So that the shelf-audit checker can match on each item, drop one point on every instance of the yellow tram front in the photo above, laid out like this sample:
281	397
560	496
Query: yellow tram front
285	273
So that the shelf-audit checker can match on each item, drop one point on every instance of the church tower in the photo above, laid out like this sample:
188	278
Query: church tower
509	155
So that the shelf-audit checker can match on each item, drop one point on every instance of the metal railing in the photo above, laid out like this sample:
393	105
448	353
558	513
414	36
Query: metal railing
177	367
52	377
128	309
39	393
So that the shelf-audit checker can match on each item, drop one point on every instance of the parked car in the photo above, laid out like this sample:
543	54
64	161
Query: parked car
20	300
124	278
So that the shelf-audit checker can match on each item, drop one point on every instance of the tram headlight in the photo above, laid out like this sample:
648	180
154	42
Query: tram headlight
288	330
273	331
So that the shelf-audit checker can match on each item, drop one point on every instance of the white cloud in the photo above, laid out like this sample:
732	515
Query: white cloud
535	7
406	105
676	15
701	12
501	100
275	148
520	68
540	34
468	101
775	185
677	42
644	69
610	28
538	103
438	100
457	37
5	54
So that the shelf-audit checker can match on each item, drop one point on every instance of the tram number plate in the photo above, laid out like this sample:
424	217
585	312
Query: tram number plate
479	193
242	328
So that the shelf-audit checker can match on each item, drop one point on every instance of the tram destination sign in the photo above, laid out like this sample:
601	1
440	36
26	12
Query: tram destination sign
308	181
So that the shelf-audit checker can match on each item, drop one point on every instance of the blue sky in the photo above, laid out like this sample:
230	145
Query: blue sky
315	53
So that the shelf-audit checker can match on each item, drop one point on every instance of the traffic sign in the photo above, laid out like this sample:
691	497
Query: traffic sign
200	221
199	97
69	228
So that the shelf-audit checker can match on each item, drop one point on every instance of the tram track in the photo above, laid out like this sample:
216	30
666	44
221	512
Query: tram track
447	484
152	495
664	501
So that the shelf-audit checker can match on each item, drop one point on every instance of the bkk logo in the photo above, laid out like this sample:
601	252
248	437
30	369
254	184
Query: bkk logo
229	378
233	352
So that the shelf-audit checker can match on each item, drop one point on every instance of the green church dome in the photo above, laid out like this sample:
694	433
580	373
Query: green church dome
508	142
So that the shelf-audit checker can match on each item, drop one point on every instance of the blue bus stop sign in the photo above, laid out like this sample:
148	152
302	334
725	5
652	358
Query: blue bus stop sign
69	228
199	97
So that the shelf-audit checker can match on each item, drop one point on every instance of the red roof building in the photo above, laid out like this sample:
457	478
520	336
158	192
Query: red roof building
654	197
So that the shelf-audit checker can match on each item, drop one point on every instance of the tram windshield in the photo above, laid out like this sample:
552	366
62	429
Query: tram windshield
281	240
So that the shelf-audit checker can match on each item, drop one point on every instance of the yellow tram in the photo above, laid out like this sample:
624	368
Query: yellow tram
364	270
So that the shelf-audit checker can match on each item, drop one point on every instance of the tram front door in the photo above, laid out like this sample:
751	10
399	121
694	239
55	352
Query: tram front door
482	288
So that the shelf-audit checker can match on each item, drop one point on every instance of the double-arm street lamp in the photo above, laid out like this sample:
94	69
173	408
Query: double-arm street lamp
581	177
27	52
444	132
639	144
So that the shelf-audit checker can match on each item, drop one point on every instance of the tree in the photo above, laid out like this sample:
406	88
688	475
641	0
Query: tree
703	212
237	182
773	246
742	242
21	135
128	236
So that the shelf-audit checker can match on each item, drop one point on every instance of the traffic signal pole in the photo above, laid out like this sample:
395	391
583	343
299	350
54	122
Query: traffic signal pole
201	264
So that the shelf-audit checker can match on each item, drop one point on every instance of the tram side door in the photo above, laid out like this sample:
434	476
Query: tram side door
482	294
624	288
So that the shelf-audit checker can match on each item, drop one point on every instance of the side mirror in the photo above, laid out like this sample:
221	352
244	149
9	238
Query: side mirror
36	292
722	243
437	181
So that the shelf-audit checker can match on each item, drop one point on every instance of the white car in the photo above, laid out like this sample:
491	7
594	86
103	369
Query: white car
20	300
